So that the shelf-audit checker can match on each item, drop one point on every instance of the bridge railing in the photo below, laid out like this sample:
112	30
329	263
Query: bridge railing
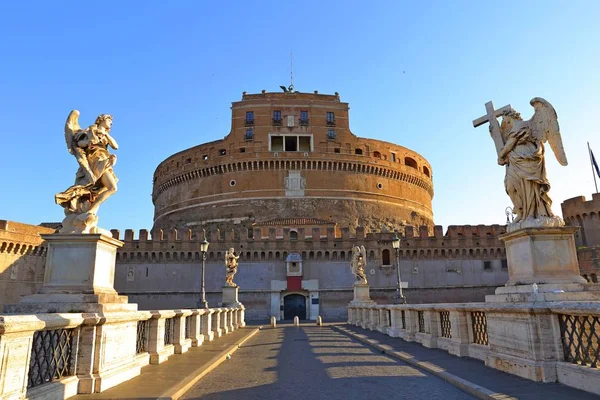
557	341
61	355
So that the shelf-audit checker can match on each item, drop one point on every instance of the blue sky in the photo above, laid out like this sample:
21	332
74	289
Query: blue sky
414	74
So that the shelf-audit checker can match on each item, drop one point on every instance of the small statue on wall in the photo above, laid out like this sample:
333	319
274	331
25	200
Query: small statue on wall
95	180
358	263
231	265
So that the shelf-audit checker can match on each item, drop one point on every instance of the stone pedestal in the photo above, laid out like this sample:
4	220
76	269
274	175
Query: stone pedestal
79	277
542	270
361	294
542	256
542	266
230	296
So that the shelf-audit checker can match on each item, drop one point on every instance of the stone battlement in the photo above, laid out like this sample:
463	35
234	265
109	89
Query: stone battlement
316	233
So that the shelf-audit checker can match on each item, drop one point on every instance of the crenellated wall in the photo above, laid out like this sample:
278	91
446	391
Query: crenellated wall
22	258
465	263
585	214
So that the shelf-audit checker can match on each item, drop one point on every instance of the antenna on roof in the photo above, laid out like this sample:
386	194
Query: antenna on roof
291	88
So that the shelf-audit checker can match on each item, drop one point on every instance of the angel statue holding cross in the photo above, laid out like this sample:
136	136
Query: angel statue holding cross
520	147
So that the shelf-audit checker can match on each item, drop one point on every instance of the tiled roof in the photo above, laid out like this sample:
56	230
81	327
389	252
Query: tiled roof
293	221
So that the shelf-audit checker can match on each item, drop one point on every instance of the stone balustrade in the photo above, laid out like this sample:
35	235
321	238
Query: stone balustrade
56	356
550	342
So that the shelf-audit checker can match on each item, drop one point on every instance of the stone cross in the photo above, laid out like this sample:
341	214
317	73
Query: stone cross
490	117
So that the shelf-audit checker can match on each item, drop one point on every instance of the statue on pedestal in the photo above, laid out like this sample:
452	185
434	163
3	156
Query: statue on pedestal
231	265
95	180
358	263
520	147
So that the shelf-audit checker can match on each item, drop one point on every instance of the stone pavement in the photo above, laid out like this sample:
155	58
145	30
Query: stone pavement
316	362
174	377
475	371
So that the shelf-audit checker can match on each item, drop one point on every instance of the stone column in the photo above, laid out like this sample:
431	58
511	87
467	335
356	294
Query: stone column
384	322
196	335
206	324
373	318
159	352
224	321
242	320
460	333
181	343
396	330
15	354
231	318
412	325
216	323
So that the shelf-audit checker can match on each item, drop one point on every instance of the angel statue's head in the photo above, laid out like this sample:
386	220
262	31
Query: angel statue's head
104	120
507	120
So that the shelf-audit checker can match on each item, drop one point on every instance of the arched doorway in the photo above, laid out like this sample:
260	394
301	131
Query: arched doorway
294	305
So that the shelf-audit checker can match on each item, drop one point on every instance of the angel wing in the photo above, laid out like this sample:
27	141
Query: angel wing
363	253
544	127
71	129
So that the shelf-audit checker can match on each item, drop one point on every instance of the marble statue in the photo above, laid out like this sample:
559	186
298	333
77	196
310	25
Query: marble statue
358	263
231	265
520	147
95	180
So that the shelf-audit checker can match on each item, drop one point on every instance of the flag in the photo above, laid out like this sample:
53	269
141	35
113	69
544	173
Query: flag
595	163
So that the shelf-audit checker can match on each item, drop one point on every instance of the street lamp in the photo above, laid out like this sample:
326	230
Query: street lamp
203	248
399	298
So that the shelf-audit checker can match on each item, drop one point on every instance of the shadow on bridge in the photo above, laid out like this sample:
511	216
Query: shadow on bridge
303	362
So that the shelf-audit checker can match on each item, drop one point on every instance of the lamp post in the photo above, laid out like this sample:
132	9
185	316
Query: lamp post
399	298
203	248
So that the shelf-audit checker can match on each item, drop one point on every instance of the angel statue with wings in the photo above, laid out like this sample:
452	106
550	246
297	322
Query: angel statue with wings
523	154
231	265
95	180
358	263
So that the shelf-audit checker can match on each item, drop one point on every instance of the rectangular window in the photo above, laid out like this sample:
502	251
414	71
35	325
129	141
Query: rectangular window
487	265
304	142
394	157
337	150
330	134
504	264
303	117
249	134
276	143
330	118
249	117
291	143
242	149
277	117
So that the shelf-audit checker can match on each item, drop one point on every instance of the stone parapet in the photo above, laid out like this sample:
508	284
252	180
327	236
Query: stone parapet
542	341
94	351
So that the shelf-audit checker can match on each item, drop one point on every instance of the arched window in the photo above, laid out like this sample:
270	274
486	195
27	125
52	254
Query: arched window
426	171
376	154
293	235
410	163
358	152
385	256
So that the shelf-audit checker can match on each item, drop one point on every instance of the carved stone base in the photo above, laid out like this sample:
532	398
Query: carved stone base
542	256
546	292
78	277
361	294
230	296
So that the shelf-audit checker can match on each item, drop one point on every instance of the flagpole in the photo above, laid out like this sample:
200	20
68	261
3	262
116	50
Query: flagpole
592	164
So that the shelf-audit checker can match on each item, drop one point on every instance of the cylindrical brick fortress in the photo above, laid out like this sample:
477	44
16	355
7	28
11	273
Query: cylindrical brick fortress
292	155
